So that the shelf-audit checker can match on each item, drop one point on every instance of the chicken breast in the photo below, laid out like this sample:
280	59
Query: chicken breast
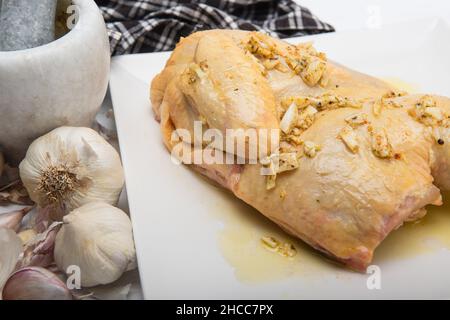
355	159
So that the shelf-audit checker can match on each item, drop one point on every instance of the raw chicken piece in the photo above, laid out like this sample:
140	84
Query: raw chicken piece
365	154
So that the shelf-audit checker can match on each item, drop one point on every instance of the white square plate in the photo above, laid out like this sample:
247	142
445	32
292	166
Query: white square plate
196	241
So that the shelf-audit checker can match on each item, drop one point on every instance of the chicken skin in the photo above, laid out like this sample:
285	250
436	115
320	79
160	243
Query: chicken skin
354	159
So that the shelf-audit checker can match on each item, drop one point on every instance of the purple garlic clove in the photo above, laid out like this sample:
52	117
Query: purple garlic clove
35	283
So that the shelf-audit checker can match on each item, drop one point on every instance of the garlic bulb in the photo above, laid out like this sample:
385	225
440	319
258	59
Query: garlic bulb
97	238
72	166
35	283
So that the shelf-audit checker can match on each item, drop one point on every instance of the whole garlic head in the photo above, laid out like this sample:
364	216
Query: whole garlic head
97	238
72	166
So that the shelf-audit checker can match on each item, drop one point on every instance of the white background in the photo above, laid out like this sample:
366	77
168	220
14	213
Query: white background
356	14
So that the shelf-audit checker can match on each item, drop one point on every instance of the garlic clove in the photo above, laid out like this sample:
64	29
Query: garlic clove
39	250
10	249
35	283
97	238
12	220
72	166
289	118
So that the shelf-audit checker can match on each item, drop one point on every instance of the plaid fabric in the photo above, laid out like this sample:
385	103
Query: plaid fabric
157	25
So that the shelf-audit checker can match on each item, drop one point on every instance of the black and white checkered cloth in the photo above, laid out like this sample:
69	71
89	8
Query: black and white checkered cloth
157	25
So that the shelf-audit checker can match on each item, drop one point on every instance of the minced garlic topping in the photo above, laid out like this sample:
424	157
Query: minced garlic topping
381	146
303	59
293	137
326	101
270	243
284	249
277	163
348	135
426	112
314	71
310	148
386	101
257	47
194	72
356	120
298	113
306	118
287	161
289	119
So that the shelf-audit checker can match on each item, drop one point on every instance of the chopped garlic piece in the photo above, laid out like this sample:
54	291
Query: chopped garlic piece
305	61
381	146
287	161
309	111
287	250
280	162
356	119
270	163
270	64
434	112
310	148
426	112
348	135
293	137
333	101
314	71
306	118
259	48
289	119
325	101
194	72
284	249
270	243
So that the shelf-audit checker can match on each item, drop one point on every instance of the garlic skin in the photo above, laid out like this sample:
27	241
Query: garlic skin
35	283
72	166
10	251
97	238
12	220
